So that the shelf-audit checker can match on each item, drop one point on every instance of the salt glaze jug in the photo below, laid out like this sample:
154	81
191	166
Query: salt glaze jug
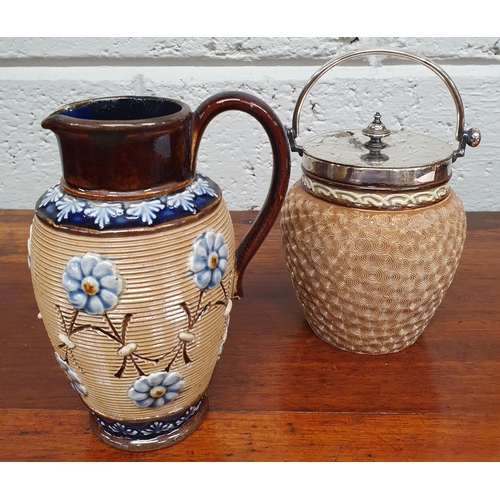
133	260
372	231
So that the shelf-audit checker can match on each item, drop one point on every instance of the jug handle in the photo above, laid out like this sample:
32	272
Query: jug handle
241	101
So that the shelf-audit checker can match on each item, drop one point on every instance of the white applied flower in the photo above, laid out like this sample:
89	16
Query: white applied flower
184	200
102	213
68	205
200	187
52	195
145	210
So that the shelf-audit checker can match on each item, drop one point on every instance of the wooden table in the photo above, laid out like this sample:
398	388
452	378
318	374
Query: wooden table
278	392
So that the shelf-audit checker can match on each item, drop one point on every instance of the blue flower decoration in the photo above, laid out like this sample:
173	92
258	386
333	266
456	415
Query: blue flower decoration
208	260
76	383
156	389
93	283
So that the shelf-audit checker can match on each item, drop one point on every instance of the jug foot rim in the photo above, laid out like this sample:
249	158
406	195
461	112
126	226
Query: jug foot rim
160	440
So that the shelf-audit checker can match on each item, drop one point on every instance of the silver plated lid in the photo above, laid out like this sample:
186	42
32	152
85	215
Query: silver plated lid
376	158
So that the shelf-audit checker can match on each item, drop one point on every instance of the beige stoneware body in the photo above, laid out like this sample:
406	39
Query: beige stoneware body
370	280
162	318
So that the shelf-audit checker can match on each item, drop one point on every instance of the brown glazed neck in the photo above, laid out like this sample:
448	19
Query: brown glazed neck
123	147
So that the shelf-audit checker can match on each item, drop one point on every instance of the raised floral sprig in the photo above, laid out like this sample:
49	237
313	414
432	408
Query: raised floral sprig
187	337
73	377
127	350
208	264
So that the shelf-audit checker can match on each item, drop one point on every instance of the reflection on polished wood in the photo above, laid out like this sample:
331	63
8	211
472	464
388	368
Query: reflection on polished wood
278	392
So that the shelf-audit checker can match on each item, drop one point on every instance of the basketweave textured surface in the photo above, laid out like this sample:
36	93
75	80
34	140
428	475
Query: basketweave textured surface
369	281
162	322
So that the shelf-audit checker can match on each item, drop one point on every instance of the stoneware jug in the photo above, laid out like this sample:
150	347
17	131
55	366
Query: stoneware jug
133	260
372	232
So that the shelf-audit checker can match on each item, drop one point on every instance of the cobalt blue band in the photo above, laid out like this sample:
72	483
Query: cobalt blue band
147	430
65	209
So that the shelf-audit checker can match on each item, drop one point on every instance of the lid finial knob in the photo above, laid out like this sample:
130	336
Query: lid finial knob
376	131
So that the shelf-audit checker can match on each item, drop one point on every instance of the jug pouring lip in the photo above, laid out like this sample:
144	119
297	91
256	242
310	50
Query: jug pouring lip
118	113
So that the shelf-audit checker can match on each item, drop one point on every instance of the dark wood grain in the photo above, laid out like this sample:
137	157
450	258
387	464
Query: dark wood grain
278	392
65	435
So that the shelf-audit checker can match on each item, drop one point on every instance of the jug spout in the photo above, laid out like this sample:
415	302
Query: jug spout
123	147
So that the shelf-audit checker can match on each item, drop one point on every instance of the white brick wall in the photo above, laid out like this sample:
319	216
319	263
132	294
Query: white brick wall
38	75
